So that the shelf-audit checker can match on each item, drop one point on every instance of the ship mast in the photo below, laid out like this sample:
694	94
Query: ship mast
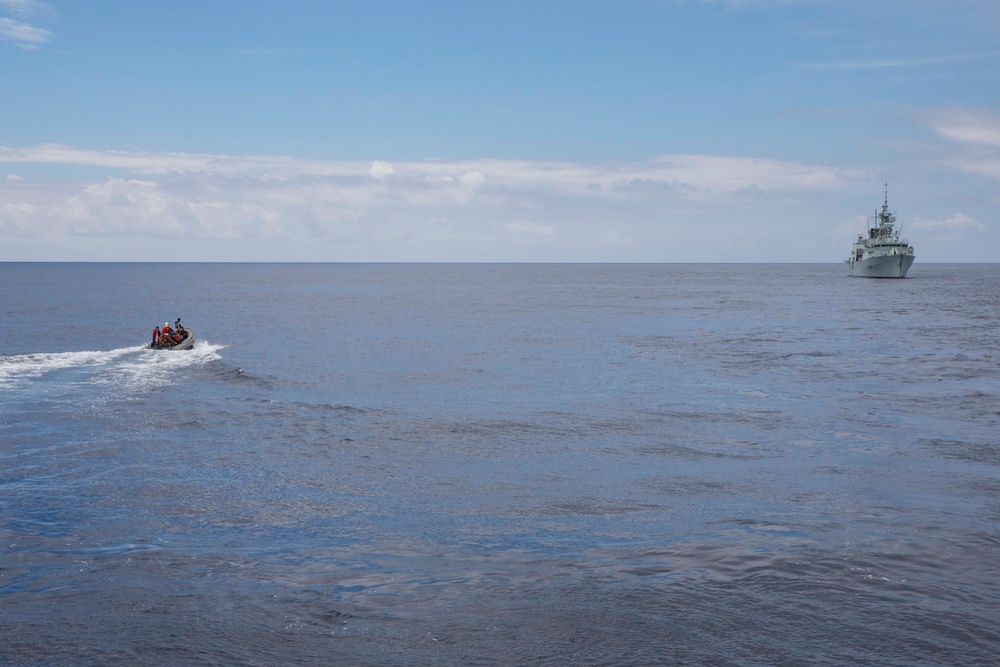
885	218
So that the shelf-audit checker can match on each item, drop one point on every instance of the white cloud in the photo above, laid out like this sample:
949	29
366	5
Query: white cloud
893	63
746	3
286	53
268	167
474	178
615	237
974	126
24	35
431	209
688	175
123	207
981	166
381	169
956	223
23	7
976	133
14	178
526	228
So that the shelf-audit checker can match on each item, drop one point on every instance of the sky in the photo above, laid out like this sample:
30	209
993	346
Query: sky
474	131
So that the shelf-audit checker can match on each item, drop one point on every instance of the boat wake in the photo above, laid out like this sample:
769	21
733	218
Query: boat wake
133	367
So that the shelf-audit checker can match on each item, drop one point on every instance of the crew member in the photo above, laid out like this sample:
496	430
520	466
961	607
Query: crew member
156	336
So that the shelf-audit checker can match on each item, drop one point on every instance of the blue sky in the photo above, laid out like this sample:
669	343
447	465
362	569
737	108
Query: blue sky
669	130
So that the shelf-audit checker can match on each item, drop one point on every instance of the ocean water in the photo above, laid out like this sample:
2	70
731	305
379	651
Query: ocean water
500	465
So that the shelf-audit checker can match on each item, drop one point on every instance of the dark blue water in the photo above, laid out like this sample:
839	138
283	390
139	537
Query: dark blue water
500	464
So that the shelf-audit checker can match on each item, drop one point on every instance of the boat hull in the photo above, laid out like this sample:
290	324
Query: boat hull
886	266
185	344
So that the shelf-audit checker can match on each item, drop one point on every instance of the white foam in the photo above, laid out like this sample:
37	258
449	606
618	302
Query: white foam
134	366
21	367
154	368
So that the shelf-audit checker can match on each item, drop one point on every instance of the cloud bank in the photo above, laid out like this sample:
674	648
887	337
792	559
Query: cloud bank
427	209
692	174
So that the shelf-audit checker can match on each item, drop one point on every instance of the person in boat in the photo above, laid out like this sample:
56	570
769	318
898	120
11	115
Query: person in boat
156	336
177	333
166	335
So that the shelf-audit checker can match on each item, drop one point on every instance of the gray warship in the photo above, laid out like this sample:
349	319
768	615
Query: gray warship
883	254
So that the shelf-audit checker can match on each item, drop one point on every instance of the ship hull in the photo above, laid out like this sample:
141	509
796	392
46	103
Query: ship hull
886	266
